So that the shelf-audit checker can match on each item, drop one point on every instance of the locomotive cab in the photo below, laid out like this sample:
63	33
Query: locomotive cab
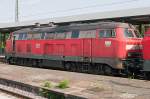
122	45
132	57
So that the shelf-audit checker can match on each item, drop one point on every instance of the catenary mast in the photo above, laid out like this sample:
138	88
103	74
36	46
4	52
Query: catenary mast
16	11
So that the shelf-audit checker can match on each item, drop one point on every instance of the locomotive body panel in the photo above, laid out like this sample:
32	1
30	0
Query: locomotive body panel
146	51
96	45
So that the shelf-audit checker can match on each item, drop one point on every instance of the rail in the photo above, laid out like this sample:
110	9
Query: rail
32	92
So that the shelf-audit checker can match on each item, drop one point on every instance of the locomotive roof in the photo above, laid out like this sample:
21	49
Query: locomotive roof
87	26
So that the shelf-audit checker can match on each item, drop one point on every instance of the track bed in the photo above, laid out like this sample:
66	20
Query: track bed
84	85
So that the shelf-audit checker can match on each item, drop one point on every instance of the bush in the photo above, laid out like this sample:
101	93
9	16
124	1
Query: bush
47	84
63	84
45	92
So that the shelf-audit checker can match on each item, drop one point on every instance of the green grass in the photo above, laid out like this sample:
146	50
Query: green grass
63	84
47	84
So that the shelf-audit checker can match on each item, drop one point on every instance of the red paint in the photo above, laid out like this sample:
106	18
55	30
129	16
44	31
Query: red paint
95	47
146	45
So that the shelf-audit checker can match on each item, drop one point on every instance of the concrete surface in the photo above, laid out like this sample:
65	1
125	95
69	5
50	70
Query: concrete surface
87	85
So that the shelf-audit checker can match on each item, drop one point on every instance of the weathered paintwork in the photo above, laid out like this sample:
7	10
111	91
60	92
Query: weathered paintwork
109	51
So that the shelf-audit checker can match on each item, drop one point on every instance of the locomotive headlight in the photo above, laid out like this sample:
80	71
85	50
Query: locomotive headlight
134	47
129	55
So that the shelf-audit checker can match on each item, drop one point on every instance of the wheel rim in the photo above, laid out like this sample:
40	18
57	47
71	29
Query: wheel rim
108	70
67	66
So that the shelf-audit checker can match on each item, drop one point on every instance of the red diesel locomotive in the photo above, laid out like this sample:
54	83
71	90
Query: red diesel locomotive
104	47
146	53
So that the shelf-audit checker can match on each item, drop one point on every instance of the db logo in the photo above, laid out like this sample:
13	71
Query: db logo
37	46
107	43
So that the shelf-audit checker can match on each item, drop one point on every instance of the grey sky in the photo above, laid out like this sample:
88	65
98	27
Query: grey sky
40	9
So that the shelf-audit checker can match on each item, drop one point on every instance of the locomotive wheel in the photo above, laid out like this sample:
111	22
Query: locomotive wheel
21	62
10	61
147	75
34	63
67	66
99	69
73	67
79	67
107	70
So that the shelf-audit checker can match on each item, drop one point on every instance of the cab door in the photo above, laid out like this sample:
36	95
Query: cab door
13	44
105	44
87	47
10	44
88	40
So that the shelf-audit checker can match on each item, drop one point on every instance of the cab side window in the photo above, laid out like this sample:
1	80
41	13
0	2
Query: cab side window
75	34
20	36
68	35
16	36
36	36
87	34
24	36
102	34
29	36
50	35
60	35
43	36
107	33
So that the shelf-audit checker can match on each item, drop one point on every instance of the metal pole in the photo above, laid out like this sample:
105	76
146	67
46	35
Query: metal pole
16	11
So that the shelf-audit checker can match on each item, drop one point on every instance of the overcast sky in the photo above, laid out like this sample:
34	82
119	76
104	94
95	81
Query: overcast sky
41	9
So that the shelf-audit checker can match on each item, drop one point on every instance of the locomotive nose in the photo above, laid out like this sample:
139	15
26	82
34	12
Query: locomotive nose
134	48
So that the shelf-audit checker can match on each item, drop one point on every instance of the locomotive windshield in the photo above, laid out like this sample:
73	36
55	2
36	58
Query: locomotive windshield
130	33
137	33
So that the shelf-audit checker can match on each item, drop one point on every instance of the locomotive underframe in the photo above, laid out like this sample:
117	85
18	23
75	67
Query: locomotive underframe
146	66
133	66
79	64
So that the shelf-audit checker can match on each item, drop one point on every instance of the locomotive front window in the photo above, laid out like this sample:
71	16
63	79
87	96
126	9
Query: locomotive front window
137	34
128	33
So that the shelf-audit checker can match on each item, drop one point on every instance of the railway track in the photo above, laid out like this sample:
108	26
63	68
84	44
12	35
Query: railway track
25	91
19	89
80	84
6	95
